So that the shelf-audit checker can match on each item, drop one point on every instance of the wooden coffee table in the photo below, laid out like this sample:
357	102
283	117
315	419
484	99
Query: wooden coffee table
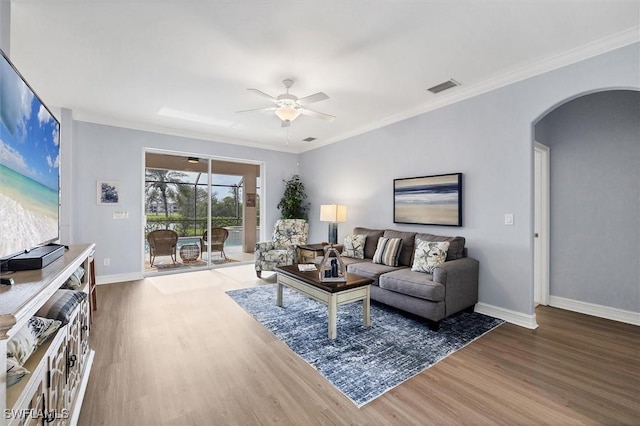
331	294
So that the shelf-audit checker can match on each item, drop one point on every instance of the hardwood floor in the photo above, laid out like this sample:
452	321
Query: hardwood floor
176	350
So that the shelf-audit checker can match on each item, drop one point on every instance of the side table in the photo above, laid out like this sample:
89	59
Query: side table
309	252
189	253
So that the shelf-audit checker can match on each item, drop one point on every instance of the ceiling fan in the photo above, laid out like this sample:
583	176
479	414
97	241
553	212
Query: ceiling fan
288	107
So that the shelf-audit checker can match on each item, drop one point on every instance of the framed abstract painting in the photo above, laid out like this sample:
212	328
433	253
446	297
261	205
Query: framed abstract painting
428	200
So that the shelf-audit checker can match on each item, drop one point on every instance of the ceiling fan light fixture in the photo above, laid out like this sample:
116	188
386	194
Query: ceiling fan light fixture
287	113
288	107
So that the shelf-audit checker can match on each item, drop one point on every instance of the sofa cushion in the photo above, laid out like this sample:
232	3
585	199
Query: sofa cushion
428	255
350	260
388	251
456	244
371	270
406	254
416	284
354	246
372	240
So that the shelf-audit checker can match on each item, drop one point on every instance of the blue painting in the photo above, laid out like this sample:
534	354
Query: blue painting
428	200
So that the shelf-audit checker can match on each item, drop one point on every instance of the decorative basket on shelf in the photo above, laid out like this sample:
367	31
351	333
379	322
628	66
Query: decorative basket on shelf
332	268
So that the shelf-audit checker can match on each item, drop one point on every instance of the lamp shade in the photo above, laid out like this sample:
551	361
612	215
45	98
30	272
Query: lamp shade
333	213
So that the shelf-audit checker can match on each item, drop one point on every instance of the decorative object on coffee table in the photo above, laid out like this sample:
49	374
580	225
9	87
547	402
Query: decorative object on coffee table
332	268
334	214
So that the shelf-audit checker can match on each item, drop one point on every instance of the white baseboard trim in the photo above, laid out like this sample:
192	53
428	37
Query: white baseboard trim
513	317
118	278
592	309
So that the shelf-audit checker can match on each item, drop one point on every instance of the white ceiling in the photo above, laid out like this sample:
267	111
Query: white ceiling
120	62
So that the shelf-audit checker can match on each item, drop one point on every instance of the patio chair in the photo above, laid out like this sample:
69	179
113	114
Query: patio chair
218	237
162	242
283	249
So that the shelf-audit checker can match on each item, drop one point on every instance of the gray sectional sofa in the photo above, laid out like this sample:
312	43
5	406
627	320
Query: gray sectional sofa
451	288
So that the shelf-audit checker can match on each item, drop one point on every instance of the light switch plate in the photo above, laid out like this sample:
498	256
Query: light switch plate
508	218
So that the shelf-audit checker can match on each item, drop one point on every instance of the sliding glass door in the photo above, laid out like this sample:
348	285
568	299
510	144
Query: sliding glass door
195	217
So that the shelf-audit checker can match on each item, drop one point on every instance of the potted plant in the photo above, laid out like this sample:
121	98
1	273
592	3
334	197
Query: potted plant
292	205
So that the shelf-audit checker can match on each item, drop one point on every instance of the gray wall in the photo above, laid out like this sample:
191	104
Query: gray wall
595	198
116	154
489	138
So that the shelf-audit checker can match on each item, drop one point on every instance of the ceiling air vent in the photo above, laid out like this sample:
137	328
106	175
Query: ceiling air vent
309	139
443	86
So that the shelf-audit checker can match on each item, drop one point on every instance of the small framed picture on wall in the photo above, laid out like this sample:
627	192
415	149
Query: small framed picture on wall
108	192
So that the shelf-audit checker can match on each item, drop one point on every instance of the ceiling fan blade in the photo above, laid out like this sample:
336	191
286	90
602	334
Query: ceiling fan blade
316	97
316	114
259	109
285	123
264	95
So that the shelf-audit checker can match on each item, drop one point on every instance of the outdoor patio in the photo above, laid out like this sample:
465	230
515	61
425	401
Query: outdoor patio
232	249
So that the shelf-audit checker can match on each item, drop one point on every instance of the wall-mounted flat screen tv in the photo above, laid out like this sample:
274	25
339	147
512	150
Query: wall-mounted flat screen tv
29	166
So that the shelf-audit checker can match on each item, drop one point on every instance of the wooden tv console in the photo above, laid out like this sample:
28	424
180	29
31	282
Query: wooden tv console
53	392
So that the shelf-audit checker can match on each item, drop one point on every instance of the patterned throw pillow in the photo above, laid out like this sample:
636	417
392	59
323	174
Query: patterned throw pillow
388	251
354	246
428	255
75	280
30	337
15	372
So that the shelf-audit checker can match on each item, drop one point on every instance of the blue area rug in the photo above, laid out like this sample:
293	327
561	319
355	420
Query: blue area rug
362	362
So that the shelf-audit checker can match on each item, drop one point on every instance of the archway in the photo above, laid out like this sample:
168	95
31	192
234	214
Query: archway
595	191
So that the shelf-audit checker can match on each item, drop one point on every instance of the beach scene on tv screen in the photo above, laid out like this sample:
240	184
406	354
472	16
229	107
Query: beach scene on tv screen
29	166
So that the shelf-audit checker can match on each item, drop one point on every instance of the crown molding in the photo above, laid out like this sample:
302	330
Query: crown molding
590	50
460	93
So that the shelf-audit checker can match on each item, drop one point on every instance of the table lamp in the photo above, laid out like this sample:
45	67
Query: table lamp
333	213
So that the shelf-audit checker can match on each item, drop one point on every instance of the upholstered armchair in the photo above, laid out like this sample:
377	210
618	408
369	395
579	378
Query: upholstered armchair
282	250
